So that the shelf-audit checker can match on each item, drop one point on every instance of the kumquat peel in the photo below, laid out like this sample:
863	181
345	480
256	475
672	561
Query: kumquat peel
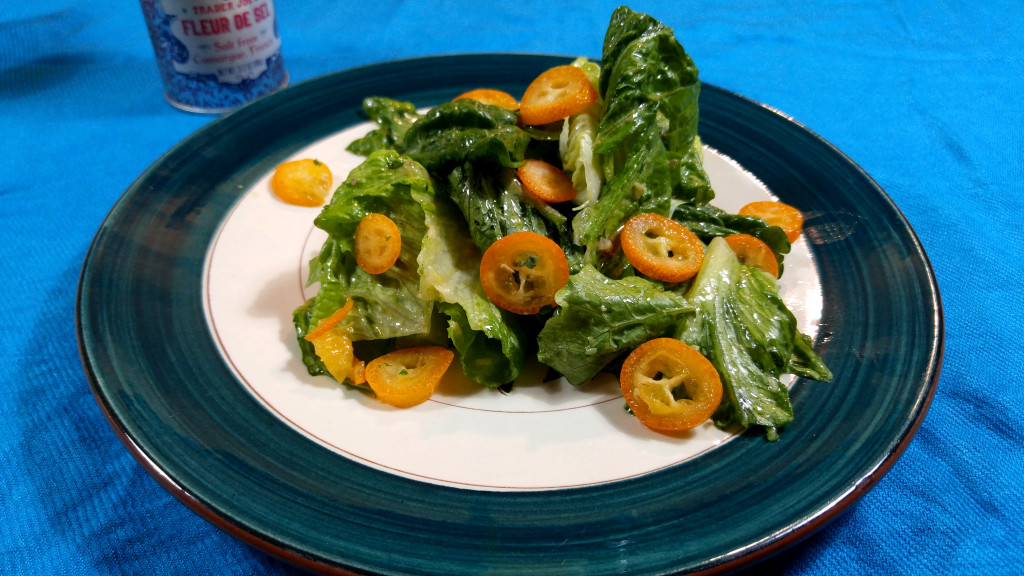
754	252
545	182
333	345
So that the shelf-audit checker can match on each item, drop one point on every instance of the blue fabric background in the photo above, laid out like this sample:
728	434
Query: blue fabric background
925	96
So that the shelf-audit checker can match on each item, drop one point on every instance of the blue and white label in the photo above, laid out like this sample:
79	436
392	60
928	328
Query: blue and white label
231	40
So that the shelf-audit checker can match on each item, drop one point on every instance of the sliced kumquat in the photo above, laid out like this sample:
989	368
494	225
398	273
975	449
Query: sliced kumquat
753	251
303	182
492	97
333	345
331	321
778	214
334	348
669	385
545	182
522	271
556	94
378	243
358	374
408	376
661	248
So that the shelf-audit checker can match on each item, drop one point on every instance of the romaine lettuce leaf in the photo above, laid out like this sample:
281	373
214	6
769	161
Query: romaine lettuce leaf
385	305
690	183
465	130
492	203
598	319
806	362
744	328
647	136
490	352
641	184
646	78
576	148
301	317
576	144
393	119
491	342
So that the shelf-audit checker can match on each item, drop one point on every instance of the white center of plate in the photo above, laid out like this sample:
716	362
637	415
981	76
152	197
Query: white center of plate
542	435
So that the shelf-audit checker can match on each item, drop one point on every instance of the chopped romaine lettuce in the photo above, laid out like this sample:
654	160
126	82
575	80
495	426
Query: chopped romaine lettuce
647	136
751	337
599	318
386	305
393	118
492	203
454	133
490	342
576	145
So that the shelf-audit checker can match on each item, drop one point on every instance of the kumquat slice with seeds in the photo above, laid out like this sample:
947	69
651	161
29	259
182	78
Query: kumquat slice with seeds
661	248
669	385
522	271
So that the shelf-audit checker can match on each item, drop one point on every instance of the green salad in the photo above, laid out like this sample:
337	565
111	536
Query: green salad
450	180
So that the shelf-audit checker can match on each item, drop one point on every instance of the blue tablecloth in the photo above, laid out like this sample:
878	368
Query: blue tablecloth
926	97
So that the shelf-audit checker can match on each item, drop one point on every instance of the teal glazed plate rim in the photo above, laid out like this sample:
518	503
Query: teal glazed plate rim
157	372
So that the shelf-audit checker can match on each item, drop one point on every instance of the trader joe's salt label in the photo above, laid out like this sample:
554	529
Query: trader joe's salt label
215	55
